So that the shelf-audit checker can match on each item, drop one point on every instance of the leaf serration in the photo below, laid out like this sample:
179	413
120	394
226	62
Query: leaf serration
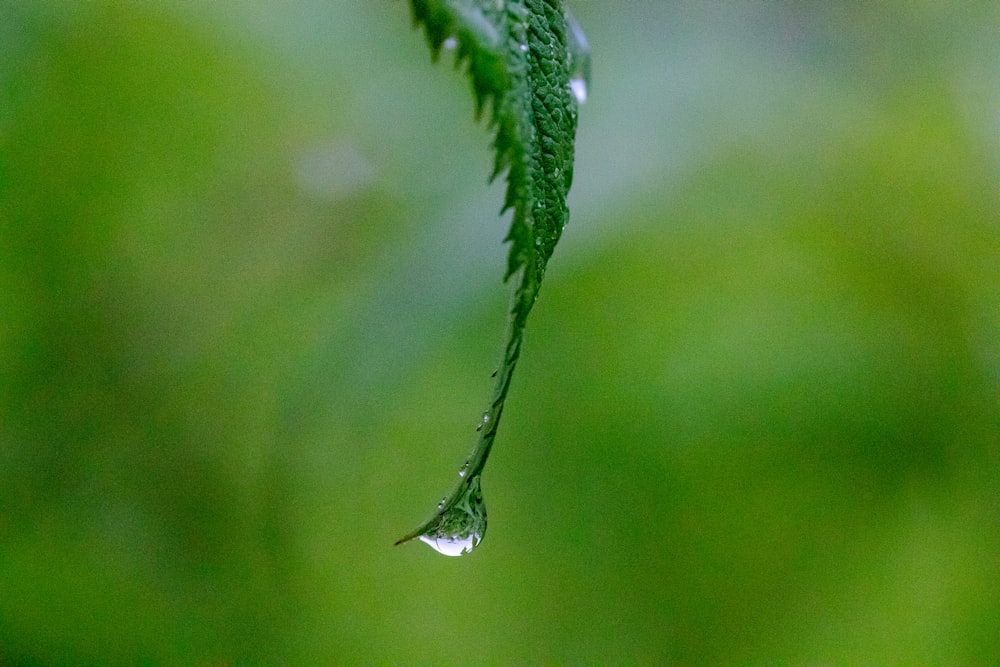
519	55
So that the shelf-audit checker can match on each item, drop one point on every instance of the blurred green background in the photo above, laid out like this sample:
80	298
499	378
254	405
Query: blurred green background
250	298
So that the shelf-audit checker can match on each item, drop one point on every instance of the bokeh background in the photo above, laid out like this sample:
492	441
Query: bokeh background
250	301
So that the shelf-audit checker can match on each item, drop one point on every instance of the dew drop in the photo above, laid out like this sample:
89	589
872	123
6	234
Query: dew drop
451	546
450	43
579	58
460	527
523	47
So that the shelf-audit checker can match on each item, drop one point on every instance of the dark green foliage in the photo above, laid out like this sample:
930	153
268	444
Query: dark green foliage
519	62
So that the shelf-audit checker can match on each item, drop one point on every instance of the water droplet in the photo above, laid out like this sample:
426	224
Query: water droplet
523	47
486	420
538	241
450	546
579	58
450	43
460	527
556	172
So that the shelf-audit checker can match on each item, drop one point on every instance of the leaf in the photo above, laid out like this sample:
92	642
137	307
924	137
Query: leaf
520	55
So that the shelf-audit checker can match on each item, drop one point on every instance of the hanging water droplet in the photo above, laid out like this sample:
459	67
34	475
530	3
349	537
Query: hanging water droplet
461	525
464	469
450	43
579	58
450	546
523	47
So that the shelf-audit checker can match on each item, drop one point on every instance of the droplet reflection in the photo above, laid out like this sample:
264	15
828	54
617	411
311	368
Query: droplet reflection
579	58
460	523
450	547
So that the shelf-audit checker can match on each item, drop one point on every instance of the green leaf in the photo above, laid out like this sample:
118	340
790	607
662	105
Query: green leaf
521	56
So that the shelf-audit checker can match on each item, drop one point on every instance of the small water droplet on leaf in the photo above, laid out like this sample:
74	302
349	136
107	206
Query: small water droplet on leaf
578	51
